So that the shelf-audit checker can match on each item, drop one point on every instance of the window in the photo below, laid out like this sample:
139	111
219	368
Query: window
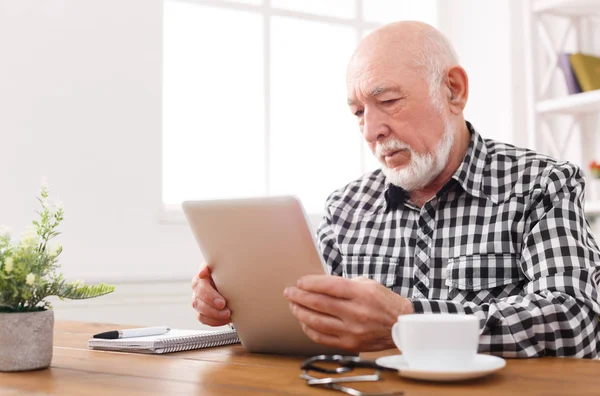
254	96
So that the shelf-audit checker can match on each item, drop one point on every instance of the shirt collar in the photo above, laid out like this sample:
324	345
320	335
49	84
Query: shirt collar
469	174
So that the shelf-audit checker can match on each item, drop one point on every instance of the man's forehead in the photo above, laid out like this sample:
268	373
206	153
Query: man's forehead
364	65
377	74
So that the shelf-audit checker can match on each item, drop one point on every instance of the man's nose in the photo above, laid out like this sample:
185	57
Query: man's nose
375	126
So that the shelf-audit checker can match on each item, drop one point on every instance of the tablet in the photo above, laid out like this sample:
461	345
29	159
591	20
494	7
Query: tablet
255	248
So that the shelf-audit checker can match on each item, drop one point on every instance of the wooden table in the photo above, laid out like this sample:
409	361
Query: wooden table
76	370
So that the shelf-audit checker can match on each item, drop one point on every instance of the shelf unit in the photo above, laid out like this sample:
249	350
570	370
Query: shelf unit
573	104
567	8
551	27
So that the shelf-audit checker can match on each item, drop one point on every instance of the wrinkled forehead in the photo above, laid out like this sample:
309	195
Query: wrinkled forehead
369	70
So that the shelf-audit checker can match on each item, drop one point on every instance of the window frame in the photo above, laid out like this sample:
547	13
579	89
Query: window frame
173	214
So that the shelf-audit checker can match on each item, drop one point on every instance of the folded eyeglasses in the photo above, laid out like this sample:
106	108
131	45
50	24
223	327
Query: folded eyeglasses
338	364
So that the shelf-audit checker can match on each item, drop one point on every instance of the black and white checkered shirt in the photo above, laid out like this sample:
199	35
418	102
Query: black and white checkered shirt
505	239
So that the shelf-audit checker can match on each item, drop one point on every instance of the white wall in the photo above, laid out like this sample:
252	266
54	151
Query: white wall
487	35
80	103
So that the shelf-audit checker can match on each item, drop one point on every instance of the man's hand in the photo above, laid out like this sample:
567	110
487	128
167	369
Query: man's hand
352	314
209	304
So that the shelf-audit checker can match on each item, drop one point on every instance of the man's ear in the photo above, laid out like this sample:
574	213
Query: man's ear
457	86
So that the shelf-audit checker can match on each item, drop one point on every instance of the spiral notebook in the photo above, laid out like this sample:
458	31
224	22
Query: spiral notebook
175	340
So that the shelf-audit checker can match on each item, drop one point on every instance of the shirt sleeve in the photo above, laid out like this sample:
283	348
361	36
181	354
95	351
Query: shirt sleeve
557	312
328	245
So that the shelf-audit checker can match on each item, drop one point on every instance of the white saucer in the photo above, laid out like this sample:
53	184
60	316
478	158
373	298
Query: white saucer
482	366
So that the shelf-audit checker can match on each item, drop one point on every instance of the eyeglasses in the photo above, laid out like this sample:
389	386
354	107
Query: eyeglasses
338	364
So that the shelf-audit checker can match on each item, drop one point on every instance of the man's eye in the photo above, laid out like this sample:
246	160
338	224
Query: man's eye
389	101
358	113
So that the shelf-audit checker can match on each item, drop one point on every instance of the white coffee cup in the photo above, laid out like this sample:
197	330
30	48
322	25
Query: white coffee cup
437	341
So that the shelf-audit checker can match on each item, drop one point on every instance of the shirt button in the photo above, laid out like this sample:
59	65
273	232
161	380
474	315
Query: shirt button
420	286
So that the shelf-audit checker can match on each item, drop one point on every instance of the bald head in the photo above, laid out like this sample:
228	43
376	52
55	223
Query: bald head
406	44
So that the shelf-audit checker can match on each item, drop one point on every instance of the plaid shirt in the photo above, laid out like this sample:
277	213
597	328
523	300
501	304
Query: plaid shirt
505	239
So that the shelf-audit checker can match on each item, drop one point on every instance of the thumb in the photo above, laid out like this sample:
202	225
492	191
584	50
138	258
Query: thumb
204	271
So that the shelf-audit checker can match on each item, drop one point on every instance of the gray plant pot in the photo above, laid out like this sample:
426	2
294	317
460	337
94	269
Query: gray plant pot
26	340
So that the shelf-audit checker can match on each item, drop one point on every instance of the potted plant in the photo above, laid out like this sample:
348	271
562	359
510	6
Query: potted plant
29	274
595	169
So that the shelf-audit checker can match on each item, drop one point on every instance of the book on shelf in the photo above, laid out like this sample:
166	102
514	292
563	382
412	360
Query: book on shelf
587	69
564	63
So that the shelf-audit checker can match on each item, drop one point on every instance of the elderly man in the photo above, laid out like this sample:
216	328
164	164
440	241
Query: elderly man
451	222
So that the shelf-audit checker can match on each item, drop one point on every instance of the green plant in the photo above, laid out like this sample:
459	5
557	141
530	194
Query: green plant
29	268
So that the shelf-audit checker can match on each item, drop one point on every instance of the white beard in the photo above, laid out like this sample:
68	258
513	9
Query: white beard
423	168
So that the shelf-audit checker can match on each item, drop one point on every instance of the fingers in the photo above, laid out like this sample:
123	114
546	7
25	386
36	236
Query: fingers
319	322
321	338
351	314
206	274
321	303
212	321
208	310
195	281
331	285
204	291
206	300
211	316
203	273
208	313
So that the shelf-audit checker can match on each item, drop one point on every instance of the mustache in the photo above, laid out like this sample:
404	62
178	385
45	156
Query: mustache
381	149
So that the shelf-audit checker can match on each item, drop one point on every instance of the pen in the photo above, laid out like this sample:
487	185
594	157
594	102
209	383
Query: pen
127	333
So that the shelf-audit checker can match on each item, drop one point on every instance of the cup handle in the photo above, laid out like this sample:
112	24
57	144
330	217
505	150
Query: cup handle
396	337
